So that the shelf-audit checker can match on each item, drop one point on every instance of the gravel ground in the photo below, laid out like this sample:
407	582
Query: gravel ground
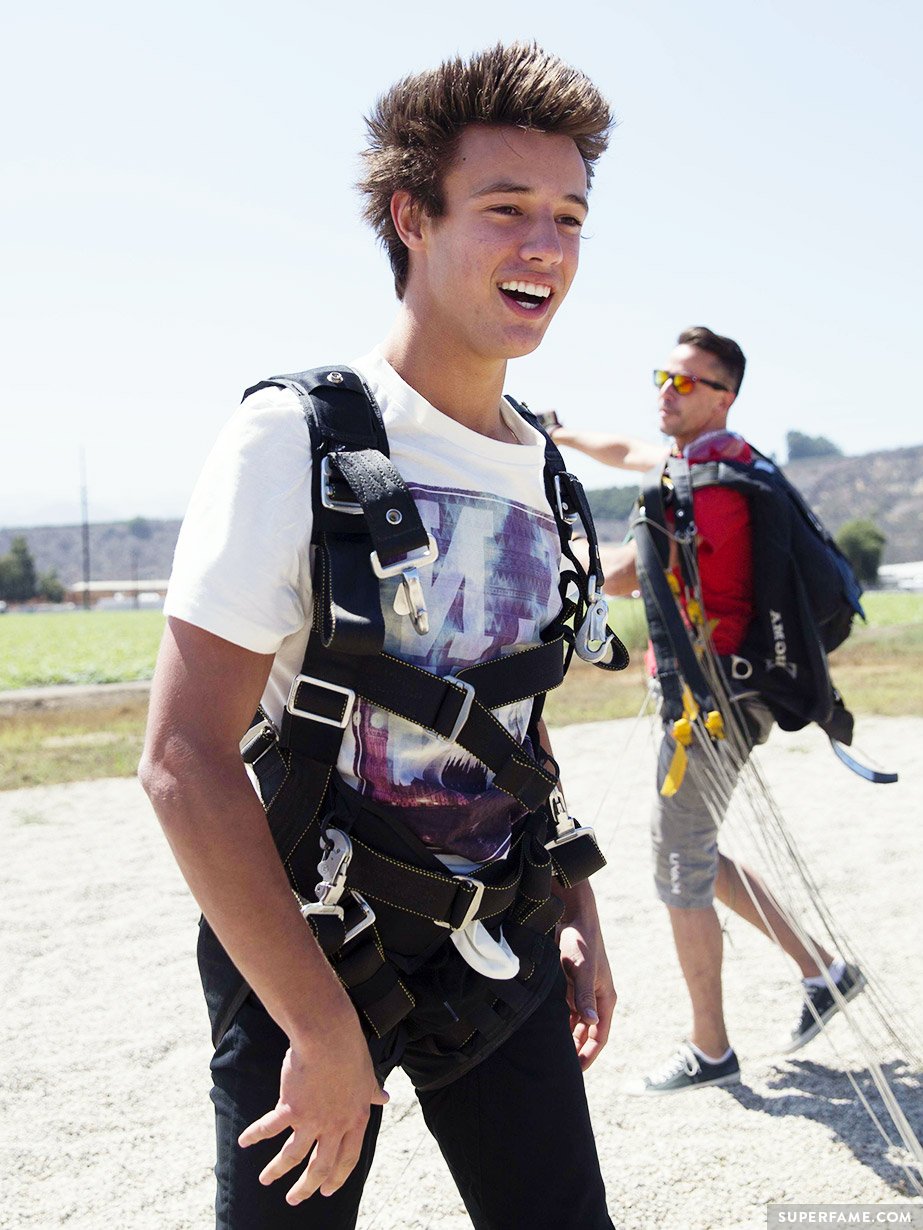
104	1040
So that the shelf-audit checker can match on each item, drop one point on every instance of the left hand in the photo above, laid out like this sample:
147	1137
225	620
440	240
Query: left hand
590	991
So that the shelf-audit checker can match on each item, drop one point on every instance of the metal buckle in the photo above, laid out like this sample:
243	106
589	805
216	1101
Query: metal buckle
409	600
418	557
571	516
338	851
594	631
368	917
468	688
253	736
311	908
574	834
561	818
295	711
473	906
326	491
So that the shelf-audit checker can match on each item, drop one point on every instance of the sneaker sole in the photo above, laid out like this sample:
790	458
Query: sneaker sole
639	1090
856	989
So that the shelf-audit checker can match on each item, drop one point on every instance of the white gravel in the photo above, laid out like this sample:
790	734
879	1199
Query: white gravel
106	1119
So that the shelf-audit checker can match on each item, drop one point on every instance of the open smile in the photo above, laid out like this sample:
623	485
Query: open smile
530	296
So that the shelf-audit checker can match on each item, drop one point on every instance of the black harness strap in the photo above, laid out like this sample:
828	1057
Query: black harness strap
444	706
366	528
677	664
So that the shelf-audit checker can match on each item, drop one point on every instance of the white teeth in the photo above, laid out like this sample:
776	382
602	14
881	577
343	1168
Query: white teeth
527	288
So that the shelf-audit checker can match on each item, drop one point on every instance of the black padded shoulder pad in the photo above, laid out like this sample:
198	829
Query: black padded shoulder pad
338	406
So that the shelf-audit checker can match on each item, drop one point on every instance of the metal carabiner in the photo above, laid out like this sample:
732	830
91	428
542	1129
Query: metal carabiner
593	639
338	851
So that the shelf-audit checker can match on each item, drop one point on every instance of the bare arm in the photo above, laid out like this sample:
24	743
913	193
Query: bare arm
590	991
620	569
204	694
623	452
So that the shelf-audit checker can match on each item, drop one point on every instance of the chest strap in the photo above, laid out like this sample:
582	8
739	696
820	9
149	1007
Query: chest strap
322	697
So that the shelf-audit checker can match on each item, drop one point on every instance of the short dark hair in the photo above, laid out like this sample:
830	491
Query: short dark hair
414	128
725	350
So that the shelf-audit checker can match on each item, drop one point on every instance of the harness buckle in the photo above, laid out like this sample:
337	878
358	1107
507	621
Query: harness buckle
461	685
418	557
566	511
311	909
263	732
593	636
338	852
576	833
473	905
564	823
409	600
296	711
328	488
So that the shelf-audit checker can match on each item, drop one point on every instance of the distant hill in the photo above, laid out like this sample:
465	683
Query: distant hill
119	550
886	487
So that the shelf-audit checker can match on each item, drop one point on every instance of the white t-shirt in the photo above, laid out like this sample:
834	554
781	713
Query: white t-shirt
242	572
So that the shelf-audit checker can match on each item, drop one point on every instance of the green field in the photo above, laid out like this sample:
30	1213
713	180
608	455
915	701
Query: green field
877	670
77	647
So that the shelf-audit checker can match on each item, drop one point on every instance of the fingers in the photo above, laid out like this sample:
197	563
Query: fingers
270	1125
331	1158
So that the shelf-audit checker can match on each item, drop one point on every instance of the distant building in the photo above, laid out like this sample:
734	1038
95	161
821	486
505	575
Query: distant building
113	595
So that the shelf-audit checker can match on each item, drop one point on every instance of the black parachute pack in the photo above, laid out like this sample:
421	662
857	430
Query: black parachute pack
806	594
385	906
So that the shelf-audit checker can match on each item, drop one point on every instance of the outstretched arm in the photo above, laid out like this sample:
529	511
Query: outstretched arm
204	694
623	452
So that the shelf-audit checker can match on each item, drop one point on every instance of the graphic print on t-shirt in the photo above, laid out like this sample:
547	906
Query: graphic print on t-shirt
492	589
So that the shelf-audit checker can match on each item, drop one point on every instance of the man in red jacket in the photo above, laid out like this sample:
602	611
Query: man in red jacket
698	385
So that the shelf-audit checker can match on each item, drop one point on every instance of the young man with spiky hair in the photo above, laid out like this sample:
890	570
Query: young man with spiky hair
476	180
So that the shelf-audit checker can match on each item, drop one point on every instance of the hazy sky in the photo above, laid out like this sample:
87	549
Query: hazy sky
178	220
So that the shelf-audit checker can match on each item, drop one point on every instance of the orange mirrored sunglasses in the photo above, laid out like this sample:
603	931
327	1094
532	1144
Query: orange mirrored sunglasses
684	384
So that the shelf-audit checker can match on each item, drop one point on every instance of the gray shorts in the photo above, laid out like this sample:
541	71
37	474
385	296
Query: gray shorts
684	827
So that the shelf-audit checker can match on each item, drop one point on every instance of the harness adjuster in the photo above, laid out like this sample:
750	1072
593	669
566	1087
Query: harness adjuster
328	485
593	636
419	557
295	710
474	904
467	700
313	909
566	505
333	865
257	741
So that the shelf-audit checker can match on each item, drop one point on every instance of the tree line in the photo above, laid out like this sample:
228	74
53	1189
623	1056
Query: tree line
21	582
861	541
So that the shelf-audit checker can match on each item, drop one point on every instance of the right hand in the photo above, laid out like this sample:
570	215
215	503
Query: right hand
549	420
325	1092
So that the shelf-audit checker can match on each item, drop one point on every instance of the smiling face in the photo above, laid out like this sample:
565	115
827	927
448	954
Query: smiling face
488	274
686	417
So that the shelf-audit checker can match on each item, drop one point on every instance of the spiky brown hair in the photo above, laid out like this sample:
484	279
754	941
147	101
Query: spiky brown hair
415	127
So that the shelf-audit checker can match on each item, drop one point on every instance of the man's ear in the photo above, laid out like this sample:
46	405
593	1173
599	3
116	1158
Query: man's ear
407	216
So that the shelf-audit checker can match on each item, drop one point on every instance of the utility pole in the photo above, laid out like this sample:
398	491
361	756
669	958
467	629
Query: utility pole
84	508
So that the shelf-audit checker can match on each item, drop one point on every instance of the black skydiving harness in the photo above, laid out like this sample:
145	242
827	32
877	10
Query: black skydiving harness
385	905
805	599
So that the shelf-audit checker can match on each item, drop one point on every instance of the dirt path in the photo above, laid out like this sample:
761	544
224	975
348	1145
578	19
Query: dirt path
104	1042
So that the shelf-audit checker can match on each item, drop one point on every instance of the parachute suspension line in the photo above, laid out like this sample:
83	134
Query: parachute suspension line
648	708
766	829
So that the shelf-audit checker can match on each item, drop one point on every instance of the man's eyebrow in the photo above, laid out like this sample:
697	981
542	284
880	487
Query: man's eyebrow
503	186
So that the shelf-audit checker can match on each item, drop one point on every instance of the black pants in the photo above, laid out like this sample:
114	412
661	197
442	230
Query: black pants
515	1132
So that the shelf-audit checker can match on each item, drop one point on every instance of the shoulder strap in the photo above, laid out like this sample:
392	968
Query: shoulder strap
593	640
